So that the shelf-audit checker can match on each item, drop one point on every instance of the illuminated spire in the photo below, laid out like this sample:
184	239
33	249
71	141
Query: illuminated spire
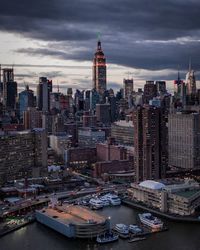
99	42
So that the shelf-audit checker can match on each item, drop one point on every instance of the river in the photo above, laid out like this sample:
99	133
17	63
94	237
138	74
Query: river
181	236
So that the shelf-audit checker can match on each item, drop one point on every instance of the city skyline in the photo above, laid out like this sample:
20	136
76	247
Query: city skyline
150	43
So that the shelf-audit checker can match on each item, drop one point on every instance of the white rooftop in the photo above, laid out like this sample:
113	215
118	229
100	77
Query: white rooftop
124	123
152	184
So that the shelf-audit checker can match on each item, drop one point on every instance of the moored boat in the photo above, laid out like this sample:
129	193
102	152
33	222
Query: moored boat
134	229
151	221
96	203
107	237
122	229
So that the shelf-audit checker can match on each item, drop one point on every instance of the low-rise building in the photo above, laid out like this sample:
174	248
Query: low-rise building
181	198
89	137
77	157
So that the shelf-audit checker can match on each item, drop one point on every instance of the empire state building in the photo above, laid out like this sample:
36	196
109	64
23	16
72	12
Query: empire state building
99	70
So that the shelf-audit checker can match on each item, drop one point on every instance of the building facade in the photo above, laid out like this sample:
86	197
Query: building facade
22	153
150	138
184	140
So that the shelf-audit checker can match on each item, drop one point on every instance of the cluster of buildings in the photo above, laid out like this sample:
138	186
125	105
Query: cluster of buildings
131	135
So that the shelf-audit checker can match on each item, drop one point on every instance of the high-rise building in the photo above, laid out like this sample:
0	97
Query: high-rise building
94	99
184	140
150	91
9	89
44	89
103	113
149	135
26	99
191	82
32	118
161	87
99	70
25	151
128	88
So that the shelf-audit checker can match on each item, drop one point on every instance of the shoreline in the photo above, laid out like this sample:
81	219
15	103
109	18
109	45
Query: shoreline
10	230
167	216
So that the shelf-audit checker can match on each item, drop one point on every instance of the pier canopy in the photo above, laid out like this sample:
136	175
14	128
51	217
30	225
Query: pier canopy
152	185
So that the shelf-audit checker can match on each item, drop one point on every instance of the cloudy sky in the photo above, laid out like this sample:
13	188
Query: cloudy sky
143	39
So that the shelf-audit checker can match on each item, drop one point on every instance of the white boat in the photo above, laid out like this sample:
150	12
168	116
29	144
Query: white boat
134	229
122	229
96	203
105	201
114	199
149	220
107	237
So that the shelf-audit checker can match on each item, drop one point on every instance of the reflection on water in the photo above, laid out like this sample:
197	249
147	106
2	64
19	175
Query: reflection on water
38	237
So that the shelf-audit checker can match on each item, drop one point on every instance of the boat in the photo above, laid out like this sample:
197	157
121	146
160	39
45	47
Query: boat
105	201
134	229
136	239
149	220
107	237
96	203
122	229
114	199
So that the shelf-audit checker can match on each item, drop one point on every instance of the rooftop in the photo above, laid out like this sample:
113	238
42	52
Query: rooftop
152	184
188	194
73	214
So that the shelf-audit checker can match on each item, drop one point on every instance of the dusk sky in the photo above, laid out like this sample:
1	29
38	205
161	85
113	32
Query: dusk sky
57	39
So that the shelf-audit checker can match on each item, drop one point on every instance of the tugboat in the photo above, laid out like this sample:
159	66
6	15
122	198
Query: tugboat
107	237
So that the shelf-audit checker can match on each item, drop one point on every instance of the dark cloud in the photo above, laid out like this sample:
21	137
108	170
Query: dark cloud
141	33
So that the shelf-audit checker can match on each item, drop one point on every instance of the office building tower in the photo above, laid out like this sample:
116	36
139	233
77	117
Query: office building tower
149	135
79	100
44	89
26	99
161	87
87	100
9	89
94	99
150	91
99	70
184	140
128	88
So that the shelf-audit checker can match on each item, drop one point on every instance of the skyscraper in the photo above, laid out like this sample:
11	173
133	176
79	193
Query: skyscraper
161	87
128	87
99	70
43	94
9	89
150	91
26	99
149	142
